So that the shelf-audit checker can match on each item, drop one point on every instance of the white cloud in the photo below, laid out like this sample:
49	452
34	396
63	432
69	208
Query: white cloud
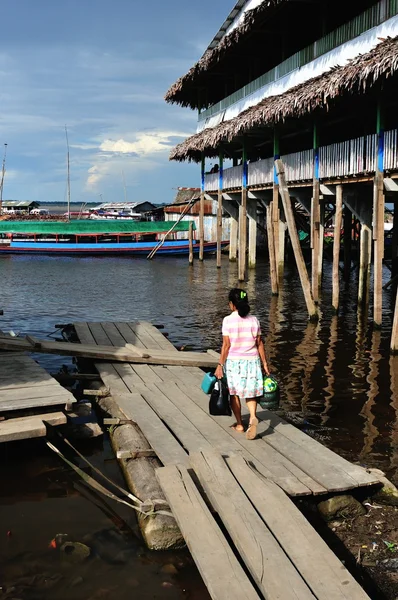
145	143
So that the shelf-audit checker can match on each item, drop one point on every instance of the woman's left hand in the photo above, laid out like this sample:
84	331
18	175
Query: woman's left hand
219	372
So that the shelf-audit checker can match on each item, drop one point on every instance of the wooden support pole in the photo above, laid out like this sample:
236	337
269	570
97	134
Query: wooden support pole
233	240
365	257
394	241
278	226
378	220
243	221
321	240
252	234
298	254
315	219
394	335
336	247
271	251
378	235
347	243
190	241
219	209
202	212
242	237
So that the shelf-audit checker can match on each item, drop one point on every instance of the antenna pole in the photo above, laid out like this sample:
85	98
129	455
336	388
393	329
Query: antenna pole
68	167
125	189
3	172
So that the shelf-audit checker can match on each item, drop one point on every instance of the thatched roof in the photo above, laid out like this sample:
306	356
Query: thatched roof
211	57
357	76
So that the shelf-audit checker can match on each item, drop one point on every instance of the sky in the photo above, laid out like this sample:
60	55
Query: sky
100	67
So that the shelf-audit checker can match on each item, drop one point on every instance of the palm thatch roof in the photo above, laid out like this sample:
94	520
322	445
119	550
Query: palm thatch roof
176	94
359	75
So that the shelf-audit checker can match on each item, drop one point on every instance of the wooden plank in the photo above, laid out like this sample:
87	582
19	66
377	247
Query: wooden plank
35	391
258	548
128	334
359	474
83	332
8	405
29	427
298	254
320	568
219	433
113	353
165	445
220	569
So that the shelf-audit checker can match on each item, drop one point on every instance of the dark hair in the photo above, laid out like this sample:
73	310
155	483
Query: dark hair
240	300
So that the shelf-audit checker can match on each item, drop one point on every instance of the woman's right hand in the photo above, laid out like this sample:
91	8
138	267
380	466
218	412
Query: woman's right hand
219	373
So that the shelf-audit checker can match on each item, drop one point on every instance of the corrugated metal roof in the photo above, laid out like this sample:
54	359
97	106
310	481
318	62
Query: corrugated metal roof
19	203
80	227
120	205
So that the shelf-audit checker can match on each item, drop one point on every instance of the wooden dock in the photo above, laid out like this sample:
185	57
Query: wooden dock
25	386
248	483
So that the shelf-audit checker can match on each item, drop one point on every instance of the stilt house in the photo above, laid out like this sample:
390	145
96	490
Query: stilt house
301	97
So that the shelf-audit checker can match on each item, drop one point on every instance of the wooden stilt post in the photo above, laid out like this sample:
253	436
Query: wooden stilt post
321	240
336	247
202	211
394	241
219	209
347	243
278	231
315	220
243	220
378	220
271	251
365	256
233	240
190	238
394	335
252	214
298	254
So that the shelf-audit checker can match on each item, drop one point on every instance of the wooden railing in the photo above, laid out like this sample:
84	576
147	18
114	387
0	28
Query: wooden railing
343	159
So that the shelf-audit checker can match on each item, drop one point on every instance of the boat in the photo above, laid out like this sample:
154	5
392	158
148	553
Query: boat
86	237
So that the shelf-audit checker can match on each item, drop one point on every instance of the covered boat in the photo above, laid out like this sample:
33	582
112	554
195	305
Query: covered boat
95	237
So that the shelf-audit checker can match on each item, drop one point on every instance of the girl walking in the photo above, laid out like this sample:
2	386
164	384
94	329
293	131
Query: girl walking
242	359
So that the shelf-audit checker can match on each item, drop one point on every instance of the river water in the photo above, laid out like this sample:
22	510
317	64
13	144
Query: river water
338	383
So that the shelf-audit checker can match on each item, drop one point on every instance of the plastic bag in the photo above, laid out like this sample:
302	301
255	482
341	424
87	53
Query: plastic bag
219	400
271	398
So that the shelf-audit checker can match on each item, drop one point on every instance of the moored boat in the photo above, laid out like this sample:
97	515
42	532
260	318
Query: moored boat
85	237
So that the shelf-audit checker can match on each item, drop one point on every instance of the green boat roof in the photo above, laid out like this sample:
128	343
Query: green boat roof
87	226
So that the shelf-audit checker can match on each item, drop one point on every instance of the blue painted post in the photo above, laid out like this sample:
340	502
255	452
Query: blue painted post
202	210
243	219
378	220
219	207
276	234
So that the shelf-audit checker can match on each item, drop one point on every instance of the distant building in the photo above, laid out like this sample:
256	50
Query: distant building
22	207
131	208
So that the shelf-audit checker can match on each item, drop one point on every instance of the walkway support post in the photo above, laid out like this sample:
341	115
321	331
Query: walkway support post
394	242
378	220
252	218
271	250
190	239
277	226
219	208
298	254
315	221
347	243
336	247
202	210
233	239
243	220
394	335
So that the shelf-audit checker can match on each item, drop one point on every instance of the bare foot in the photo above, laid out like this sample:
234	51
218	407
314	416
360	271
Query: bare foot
238	428
251	432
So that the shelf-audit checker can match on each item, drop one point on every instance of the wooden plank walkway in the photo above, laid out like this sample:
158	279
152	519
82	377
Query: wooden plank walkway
245	481
25	385
173	401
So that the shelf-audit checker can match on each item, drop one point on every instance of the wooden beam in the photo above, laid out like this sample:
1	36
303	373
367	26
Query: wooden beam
202	211
219	209
336	247
378	235
347	243
190	241
298	254
233	239
252	218
271	251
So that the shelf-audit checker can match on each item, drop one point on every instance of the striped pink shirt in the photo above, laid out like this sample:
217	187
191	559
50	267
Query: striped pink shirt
242	332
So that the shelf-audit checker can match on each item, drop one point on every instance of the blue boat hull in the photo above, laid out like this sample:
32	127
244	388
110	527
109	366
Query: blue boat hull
179	247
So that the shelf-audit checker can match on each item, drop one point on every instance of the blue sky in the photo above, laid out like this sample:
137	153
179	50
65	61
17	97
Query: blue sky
101	67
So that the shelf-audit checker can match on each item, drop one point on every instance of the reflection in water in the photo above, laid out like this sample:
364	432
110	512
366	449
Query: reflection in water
370	430
330	369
